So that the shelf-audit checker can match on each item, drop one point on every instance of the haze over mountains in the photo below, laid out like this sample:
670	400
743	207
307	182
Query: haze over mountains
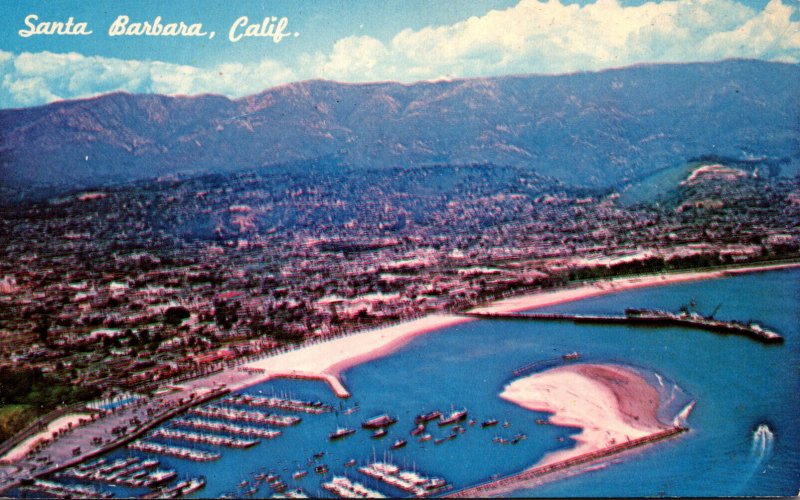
590	129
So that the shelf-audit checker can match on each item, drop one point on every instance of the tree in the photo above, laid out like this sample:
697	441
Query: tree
175	315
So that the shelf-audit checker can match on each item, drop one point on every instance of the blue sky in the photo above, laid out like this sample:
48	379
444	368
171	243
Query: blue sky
359	41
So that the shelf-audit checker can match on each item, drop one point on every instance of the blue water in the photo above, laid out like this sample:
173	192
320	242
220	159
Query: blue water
743	438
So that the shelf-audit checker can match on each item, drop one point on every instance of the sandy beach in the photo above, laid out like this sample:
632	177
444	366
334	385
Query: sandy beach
326	359
612	404
603	287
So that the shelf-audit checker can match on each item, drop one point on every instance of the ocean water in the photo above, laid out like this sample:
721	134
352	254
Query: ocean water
743	440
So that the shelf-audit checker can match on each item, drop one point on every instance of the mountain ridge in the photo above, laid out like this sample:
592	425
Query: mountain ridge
588	128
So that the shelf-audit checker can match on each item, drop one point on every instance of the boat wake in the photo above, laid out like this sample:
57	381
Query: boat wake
761	449
760	453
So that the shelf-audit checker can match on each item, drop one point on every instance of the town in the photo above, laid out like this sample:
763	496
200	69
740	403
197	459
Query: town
125	289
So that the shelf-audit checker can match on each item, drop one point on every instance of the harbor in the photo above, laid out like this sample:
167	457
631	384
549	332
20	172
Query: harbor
296	459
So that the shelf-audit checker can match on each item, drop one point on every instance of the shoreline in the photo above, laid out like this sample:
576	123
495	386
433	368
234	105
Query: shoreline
614	285
326	359
330	357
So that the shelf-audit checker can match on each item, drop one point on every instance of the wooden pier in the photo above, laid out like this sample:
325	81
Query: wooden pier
508	482
655	318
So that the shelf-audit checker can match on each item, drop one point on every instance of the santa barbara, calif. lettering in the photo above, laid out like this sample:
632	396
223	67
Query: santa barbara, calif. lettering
271	27
35	27
122	26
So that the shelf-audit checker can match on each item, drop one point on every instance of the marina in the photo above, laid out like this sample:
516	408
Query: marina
294	405
57	490
222	412
196	437
216	426
182	488
343	487
130	473
407	481
174	451
478	435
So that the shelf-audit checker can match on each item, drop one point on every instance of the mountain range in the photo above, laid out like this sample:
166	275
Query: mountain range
594	129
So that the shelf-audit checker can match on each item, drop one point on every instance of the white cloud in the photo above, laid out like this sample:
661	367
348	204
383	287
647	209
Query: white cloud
530	37
31	79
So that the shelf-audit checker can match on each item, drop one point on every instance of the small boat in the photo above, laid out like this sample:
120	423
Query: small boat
352	410
541	421
506	424
427	417
458	430
350	463
319	455
425	437
379	433
378	422
300	474
489	423
419	429
399	444
340	433
571	356
321	469
448	438
456	416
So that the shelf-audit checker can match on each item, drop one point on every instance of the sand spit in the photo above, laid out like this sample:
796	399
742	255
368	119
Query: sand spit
612	404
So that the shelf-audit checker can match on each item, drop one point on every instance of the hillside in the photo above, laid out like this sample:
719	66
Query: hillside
592	129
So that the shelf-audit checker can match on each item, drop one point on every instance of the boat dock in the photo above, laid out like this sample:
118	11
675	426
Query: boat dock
226	413
202	438
410	482
211	425
648	318
312	407
174	451
503	484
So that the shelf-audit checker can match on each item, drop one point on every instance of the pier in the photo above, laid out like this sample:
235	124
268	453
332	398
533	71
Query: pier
225	413
333	382
648	318
314	408
493	487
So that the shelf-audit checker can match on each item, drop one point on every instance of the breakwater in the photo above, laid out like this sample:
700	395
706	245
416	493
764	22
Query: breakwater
509	482
648	318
